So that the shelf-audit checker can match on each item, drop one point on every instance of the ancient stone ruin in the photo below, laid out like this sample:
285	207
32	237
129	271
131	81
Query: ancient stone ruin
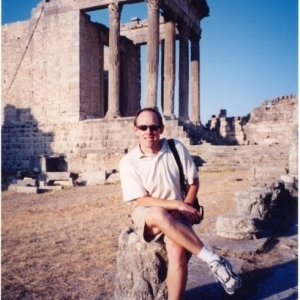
65	77
70	90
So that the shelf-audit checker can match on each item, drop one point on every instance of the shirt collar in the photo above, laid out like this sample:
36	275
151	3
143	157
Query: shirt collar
163	149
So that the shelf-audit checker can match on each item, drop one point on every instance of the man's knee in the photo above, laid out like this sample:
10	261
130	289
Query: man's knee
158	216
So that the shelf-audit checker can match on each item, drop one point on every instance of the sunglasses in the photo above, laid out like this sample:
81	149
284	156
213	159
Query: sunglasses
151	127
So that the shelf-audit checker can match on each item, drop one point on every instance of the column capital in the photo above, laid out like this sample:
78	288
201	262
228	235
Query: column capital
195	37
168	17
153	4
115	10
184	31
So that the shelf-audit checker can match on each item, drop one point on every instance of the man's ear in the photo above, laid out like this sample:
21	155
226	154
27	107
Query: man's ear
135	130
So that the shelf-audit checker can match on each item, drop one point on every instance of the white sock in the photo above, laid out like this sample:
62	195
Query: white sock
207	255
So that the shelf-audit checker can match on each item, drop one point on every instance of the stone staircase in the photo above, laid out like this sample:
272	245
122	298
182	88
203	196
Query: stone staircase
102	145
221	158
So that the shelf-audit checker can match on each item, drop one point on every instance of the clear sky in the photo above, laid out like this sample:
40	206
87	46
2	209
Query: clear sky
249	50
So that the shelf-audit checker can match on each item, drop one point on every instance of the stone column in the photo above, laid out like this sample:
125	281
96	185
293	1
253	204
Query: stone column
153	52
183	74
114	61
101	75
195	79
162	64
169	70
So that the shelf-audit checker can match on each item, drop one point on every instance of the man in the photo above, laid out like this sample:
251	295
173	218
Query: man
150	176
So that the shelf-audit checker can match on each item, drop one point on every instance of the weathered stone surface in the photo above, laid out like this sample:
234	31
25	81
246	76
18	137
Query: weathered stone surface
260	176
113	178
236	227
50	176
23	189
50	188
93	178
254	203
141	269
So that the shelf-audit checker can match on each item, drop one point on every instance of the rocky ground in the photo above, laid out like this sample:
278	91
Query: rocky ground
63	244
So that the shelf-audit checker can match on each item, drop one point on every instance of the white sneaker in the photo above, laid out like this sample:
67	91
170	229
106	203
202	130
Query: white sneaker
222	270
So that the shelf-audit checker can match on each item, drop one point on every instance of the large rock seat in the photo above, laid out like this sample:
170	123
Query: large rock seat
141	268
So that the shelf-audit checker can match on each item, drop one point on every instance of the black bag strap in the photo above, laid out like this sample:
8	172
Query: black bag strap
177	158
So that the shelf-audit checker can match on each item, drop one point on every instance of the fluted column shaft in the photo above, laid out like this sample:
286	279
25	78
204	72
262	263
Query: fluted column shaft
114	61
183	74
153	52
195	79
169	69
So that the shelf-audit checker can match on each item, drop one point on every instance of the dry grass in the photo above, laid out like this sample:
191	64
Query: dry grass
63	245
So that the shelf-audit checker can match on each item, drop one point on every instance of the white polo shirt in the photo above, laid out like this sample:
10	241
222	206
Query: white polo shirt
155	175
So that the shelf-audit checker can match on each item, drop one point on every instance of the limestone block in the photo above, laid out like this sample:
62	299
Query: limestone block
52	176
236	227
113	178
50	188
23	189
141	269
293	151
255	203
94	177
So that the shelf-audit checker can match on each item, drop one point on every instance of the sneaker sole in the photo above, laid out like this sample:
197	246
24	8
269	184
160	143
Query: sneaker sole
236	277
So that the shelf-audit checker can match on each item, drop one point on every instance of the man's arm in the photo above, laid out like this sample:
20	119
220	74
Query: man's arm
174	205
153	201
191	192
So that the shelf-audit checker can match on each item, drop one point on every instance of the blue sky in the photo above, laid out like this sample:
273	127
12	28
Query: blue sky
249	50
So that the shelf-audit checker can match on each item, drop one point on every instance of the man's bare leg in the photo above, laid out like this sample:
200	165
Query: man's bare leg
159	220
177	270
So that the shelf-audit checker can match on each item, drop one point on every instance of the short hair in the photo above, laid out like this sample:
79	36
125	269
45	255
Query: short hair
151	109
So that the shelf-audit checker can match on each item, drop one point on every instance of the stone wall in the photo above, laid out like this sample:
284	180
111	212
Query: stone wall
268	124
88	145
272	122
55	64
40	65
230	129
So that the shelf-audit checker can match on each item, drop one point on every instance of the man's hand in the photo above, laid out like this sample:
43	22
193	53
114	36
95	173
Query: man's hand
189	212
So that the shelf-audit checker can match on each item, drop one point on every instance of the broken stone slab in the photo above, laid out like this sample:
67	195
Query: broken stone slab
48	176
290	181
23	189
235	247
25	182
113	178
255	202
141	268
50	188
93	177
65	182
236	227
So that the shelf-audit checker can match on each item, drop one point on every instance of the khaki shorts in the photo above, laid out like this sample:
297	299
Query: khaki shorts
139	220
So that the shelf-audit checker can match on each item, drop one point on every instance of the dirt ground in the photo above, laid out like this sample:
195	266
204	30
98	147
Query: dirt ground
63	244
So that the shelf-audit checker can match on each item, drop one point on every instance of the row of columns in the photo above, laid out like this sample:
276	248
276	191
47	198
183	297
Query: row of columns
168	75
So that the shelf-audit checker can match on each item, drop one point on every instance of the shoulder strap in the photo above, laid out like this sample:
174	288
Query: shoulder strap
177	158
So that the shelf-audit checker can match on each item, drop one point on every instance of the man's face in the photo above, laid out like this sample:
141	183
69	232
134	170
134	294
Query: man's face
149	138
